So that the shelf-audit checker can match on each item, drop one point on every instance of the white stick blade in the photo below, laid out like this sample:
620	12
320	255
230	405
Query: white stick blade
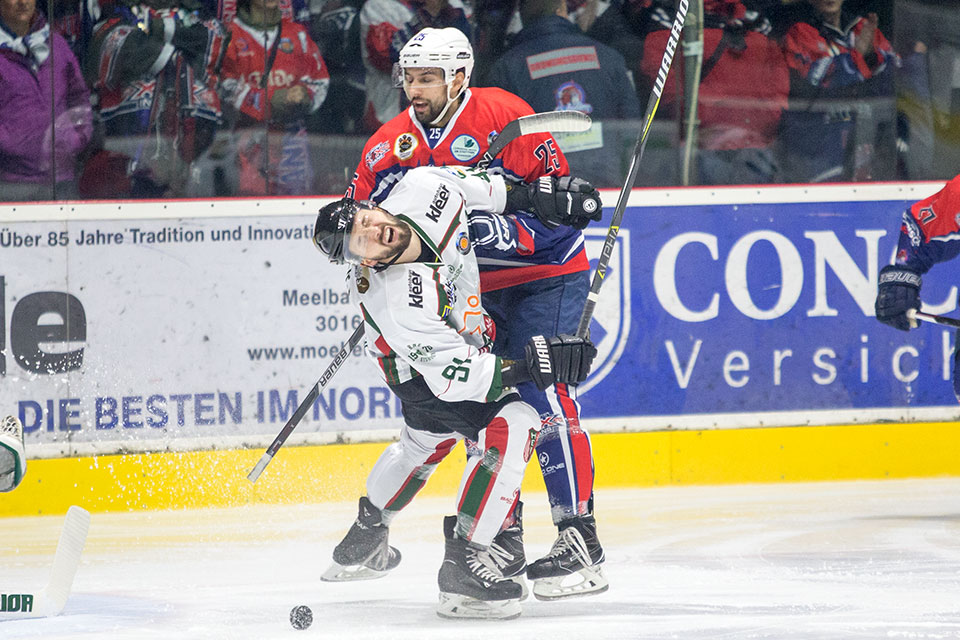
260	466
65	563
554	122
50	601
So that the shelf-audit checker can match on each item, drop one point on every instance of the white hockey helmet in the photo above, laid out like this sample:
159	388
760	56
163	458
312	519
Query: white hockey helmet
447	48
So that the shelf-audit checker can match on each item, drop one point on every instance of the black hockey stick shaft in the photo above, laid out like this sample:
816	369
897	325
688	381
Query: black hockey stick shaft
551	121
307	402
929	317
588	308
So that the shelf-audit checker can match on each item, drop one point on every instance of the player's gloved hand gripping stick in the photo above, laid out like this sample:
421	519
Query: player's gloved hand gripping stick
549	122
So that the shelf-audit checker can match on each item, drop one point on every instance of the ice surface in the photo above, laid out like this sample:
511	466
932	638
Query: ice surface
878	559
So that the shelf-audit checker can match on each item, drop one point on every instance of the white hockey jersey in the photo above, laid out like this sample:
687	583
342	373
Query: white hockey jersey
425	319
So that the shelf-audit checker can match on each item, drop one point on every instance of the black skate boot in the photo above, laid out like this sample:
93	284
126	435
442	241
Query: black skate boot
507	552
363	554
572	568
471	586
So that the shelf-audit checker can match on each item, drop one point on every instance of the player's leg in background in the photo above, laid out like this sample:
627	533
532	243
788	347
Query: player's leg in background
549	307
399	473
13	459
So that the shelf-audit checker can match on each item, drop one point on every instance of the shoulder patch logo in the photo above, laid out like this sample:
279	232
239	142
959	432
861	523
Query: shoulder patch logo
464	148
404	146
376	154
463	243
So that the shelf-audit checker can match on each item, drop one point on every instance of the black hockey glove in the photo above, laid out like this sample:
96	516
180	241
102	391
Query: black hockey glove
898	290
565	359
556	201
192	42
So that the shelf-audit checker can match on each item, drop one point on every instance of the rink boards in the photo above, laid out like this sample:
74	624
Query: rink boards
730	320
308	474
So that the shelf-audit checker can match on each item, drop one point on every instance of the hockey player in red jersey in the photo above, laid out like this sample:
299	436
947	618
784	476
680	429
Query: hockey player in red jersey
534	278
929	233
273	73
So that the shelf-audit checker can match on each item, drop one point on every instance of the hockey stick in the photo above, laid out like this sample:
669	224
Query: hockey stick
551	121
929	317
307	402
51	600
547	122
584	327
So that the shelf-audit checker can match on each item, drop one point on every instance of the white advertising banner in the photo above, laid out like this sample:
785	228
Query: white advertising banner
128	333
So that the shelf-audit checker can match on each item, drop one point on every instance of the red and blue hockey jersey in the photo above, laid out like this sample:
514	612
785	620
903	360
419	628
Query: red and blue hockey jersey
930	232
170	93
511	249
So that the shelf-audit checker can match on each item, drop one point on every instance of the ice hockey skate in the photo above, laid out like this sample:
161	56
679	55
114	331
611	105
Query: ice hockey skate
572	568
507	552
364	553
471	585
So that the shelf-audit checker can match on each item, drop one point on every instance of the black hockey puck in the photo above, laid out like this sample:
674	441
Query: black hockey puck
301	617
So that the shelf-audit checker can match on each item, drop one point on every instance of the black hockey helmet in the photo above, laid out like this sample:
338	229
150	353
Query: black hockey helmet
332	230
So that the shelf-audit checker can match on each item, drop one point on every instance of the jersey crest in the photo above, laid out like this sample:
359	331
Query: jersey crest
405	145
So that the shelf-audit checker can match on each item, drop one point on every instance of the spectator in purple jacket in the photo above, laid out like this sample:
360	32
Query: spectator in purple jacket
38	149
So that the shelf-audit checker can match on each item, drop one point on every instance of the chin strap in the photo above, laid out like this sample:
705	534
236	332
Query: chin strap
450	101
381	266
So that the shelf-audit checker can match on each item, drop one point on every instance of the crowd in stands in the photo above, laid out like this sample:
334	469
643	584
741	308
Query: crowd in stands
195	98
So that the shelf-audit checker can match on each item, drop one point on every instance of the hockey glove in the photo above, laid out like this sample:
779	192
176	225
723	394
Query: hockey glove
556	201
565	359
898	291
192	41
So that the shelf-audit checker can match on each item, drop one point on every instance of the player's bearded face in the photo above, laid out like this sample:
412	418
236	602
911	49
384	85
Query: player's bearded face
377	236
427	92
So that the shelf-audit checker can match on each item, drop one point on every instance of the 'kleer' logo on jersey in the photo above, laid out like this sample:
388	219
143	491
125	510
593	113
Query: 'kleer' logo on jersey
415	286
464	148
405	145
439	202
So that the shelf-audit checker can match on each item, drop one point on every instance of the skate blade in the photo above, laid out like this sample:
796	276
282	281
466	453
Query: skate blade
456	606
587	581
350	573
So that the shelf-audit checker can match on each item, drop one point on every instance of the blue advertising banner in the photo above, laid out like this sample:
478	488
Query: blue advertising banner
763	308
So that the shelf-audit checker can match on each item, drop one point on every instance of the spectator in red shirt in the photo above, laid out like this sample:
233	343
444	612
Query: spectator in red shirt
273	77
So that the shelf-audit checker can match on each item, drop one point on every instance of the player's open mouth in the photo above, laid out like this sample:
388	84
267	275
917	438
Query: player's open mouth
388	235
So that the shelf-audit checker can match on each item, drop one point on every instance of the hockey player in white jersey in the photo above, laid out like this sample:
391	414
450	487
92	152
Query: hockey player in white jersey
13	461
418	287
